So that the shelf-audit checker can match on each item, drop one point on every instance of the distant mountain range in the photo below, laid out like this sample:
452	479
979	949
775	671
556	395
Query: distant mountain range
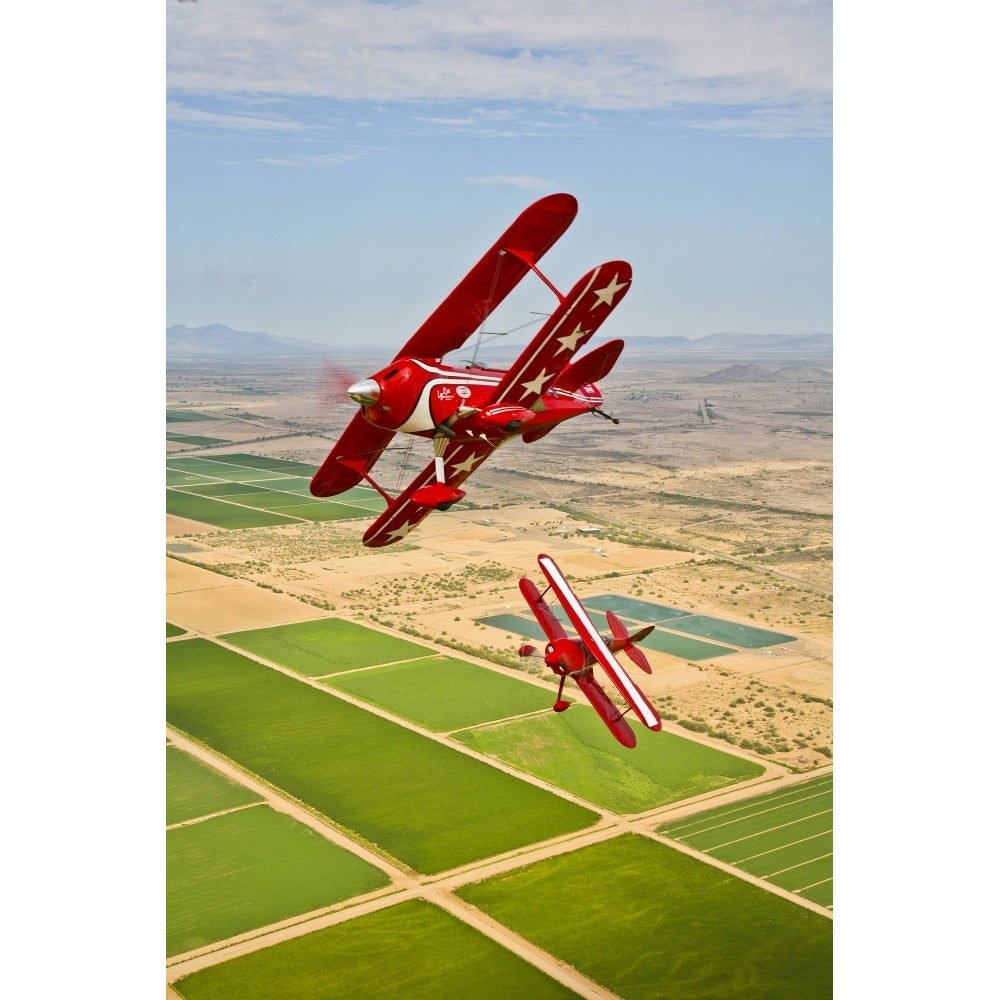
222	341
755	373
186	341
805	342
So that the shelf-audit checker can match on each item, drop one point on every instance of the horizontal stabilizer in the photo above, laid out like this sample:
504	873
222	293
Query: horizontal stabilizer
592	367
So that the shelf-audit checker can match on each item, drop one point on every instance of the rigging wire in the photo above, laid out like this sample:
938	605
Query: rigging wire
407	451
489	307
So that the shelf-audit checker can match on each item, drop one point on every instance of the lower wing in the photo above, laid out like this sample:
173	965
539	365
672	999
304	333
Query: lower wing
357	449
404	513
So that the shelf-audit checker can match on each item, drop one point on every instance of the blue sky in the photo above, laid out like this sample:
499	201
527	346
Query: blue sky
333	170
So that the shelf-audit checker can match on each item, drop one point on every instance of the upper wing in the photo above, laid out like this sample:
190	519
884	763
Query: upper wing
360	444
543	613
403	515
492	279
592	638
579	314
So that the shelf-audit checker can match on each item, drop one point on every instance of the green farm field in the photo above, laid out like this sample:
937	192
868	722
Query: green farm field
177	416
220	513
678	633
267	464
344	763
443	693
647	612
236	867
784	837
326	646
219	469
243	869
413	950
572	751
650	922
245	491
195	790
682	646
198	440
234	864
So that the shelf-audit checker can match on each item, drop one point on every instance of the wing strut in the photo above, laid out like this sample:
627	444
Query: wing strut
529	258
358	465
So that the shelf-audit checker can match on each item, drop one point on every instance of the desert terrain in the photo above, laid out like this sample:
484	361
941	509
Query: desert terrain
713	494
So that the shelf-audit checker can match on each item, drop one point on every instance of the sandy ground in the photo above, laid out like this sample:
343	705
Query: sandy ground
210	604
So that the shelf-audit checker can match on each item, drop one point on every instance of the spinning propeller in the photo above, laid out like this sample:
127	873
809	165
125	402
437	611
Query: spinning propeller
335	381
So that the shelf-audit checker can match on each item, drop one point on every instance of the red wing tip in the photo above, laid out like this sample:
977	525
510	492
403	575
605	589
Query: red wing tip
321	489
626	740
561	201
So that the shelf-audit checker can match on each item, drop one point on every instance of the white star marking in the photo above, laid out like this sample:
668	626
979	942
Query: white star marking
402	531
607	294
570	341
467	466
536	385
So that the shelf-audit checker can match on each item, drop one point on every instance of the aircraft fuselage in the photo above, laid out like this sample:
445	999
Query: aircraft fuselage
417	396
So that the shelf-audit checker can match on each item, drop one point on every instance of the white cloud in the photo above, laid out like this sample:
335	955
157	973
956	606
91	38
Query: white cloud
314	160
179	114
504	123
647	54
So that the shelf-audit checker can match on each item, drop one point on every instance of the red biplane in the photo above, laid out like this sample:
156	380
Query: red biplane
469	412
576	657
